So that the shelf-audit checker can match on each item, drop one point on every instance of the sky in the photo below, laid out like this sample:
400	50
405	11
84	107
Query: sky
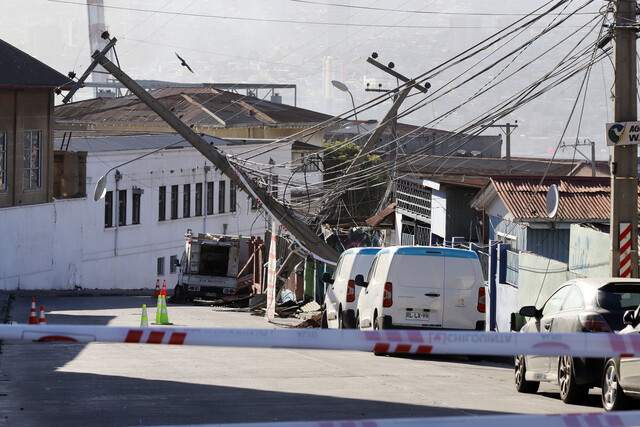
311	42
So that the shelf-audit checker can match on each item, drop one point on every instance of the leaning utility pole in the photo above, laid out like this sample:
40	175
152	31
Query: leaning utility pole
306	238
624	158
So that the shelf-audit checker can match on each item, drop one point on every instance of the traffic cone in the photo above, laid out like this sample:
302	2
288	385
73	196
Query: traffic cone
162	316
157	292
158	310
164	288
33	317
42	320
144	321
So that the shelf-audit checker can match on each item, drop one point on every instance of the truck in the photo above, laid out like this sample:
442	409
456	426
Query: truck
213	266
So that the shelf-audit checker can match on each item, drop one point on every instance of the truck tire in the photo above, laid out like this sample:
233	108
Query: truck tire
178	295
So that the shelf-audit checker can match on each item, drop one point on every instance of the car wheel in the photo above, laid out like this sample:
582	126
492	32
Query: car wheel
323	323
613	397
570	391
522	385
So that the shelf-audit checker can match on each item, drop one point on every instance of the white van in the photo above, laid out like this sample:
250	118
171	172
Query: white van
422	287
340	298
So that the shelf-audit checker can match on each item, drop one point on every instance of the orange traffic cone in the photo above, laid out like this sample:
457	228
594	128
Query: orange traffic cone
157	292
164	288
33	317
42	320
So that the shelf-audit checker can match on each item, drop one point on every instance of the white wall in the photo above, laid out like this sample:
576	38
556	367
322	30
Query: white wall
64	244
439	213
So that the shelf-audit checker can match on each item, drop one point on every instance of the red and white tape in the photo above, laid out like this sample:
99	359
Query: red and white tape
394	341
619	419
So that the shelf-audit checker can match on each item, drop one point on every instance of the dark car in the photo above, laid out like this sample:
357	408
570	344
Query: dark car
580	305
621	377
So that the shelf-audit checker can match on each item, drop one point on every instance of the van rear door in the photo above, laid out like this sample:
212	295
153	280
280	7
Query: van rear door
418	288
462	281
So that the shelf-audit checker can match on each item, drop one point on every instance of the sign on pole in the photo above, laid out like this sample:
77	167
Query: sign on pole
623	133
271	276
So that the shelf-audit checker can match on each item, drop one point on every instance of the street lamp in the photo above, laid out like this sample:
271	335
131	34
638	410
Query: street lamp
343	87
101	185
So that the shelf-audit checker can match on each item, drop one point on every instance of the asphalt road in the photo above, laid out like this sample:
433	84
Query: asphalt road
134	384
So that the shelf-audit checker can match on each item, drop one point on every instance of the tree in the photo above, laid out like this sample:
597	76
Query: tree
363	200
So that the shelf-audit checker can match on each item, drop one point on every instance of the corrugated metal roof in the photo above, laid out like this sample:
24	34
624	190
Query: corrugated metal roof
431	166
18	69
129	142
580	198
196	106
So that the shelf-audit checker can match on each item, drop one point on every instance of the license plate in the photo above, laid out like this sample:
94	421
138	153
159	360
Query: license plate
416	315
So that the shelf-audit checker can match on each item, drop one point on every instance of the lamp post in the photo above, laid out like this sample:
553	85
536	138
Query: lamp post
343	87
101	185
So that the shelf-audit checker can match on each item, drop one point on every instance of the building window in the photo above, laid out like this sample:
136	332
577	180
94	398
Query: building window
162	203
161	266
221	196
174	201
32	158
135	208
172	264
209	198
122	207
186	201
232	197
199	199
108	209
3	161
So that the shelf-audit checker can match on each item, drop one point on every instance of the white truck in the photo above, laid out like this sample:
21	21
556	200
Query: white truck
212	267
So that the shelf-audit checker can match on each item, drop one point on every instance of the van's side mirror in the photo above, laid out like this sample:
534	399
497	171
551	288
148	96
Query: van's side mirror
628	317
326	278
176	263
530	311
359	281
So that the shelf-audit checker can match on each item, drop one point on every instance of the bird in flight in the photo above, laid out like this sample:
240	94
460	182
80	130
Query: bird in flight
182	62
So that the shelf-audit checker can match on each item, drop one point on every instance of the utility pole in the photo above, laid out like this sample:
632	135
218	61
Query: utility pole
393	149
507	132
624	158
296	228
577	144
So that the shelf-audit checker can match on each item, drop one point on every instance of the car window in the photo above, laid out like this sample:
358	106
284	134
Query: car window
342	270
372	270
619	297
554	303
573	299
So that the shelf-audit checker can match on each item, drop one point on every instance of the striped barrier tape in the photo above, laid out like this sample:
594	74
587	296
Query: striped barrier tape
618	419
392	341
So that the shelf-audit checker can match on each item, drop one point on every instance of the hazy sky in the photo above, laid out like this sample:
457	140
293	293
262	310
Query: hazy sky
309	43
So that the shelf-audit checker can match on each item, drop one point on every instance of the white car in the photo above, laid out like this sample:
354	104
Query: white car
422	287
340	300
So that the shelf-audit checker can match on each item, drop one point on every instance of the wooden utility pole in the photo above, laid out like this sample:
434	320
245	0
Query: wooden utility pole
624	158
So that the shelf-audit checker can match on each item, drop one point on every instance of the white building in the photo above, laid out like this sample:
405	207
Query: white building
129	238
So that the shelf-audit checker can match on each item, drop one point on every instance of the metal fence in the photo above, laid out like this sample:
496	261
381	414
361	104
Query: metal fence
513	265
484	263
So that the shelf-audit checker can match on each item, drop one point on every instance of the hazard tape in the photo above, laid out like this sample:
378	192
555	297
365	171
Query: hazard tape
393	341
619	419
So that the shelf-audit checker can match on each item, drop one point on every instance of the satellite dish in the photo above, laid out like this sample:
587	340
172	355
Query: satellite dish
552	201
101	189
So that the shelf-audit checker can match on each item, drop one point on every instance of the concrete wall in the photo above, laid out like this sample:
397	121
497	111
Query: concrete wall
588	252
508	301
539	277
64	244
